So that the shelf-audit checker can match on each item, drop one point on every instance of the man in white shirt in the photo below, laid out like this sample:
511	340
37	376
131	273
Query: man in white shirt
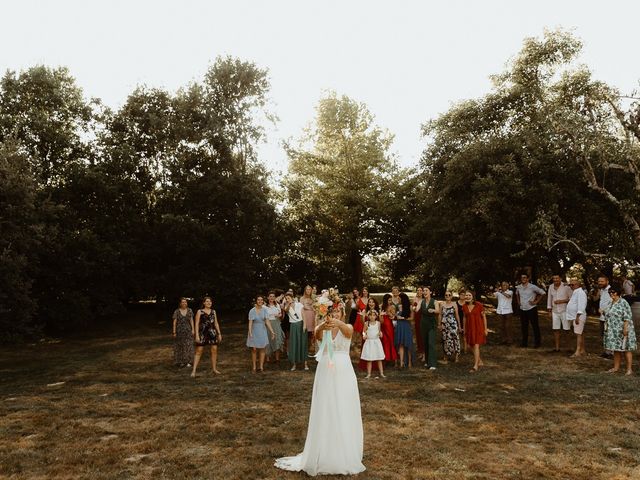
528	297
604	303
577	313
504	310
558	296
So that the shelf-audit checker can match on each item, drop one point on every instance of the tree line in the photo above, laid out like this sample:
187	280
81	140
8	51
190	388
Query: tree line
166	196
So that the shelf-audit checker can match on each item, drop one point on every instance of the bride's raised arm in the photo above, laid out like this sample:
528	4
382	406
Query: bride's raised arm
345	328
321	327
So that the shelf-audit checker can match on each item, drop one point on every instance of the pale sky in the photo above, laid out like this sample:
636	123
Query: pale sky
407	60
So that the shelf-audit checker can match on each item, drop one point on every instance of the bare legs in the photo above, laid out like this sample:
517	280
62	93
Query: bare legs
306	366
196	360
579	346
477	361
198	356
629	359
310	342
257	354
400	360
214	359
380	369
617	360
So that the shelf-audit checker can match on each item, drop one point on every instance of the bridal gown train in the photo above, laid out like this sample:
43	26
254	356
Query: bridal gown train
335	438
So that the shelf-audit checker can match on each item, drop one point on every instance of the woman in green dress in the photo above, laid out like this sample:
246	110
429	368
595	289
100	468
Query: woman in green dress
620	336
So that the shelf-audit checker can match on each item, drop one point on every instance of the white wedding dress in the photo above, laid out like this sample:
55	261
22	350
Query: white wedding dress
335	438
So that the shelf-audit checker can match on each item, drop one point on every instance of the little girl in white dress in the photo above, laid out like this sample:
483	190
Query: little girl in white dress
372	350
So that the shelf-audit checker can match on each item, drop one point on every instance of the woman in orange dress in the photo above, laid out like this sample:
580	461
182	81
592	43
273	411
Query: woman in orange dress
475	327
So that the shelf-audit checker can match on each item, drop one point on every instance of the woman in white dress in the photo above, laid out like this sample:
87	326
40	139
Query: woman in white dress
335	439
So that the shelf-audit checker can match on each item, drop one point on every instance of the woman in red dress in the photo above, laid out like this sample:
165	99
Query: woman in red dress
475	327
417	314
361	305
388	336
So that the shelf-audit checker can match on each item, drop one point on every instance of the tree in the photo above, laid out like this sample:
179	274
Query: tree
341	191
46	111
508	179
21	232
187	163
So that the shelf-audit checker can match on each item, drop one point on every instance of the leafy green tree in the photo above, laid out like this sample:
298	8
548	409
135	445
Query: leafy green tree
46	111
341	192
186	162
21	233
516	178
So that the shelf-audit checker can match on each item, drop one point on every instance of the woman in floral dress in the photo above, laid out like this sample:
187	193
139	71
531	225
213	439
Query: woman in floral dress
619	335
183	331
208	334
449	326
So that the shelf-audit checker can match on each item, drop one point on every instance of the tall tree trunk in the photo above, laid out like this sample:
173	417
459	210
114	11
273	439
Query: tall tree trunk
356	269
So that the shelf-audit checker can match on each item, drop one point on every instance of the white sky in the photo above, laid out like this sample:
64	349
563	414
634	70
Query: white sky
407	60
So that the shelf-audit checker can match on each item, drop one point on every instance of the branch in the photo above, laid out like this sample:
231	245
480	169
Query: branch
578	248
586	254
633	128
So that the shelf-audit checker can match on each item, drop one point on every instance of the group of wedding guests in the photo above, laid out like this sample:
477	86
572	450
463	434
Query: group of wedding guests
384	333
567	305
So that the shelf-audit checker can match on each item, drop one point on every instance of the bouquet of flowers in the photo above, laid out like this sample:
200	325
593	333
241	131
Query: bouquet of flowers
323	305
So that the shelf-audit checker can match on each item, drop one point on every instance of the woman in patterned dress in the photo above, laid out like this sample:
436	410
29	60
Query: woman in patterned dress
619	335
183	332
208	332
274	316
449	326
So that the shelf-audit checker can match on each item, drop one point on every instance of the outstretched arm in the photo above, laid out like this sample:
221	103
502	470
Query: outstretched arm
197	334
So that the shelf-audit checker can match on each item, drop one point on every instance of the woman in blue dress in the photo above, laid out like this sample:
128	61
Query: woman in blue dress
257	338
403	336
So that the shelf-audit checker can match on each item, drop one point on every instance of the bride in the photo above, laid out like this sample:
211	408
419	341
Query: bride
334	438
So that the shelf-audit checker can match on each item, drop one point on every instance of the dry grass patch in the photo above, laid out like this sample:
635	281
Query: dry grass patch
113	406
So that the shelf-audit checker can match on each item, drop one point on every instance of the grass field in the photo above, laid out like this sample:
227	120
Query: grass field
110	405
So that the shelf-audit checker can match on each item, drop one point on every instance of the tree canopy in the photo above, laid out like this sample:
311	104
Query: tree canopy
167	197
539	172
340	192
